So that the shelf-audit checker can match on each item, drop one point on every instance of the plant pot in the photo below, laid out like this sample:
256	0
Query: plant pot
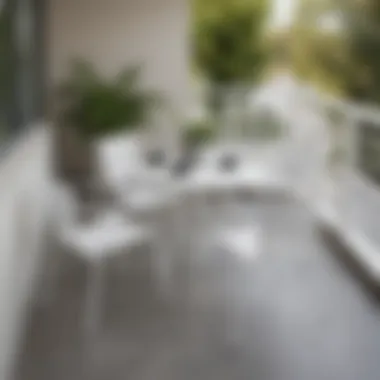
118	154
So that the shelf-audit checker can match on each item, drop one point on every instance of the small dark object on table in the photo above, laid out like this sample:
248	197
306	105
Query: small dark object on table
228	162
155	158
184	165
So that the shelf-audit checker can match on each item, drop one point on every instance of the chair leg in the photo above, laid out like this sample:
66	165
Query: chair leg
48	290
93	298
163	262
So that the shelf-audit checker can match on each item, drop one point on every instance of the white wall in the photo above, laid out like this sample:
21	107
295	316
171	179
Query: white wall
24	178
115	33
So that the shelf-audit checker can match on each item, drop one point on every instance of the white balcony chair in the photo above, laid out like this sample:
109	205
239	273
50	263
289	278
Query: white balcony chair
109	234
141	190
123	167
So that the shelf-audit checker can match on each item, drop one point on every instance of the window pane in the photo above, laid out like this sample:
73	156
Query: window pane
369	150
4	68
20	64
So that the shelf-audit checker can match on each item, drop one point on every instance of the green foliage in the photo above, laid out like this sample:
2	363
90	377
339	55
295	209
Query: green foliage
346	61
198	133
362	20
97	106
317	54
363	29
228	44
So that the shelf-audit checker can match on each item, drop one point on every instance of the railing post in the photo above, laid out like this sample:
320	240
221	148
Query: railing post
346	208
352	140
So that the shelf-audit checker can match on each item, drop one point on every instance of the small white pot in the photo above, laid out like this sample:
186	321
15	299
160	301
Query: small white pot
118	155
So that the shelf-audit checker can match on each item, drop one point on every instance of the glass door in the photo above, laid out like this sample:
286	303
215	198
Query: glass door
21	64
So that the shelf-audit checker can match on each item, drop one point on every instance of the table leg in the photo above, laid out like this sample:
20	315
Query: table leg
93	298
161	254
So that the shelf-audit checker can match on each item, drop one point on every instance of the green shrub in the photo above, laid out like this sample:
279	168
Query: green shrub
228	40
229	46
98	106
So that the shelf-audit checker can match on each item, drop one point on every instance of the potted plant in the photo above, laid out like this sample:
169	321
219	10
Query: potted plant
196	134
229	49
104	111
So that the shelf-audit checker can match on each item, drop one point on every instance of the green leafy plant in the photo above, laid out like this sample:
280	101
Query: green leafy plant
99	106
198	133
228	43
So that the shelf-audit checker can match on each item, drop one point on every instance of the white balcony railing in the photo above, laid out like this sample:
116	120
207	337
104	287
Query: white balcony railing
352	176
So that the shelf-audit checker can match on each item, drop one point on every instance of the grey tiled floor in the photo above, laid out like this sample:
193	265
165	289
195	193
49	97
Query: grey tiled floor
292	313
